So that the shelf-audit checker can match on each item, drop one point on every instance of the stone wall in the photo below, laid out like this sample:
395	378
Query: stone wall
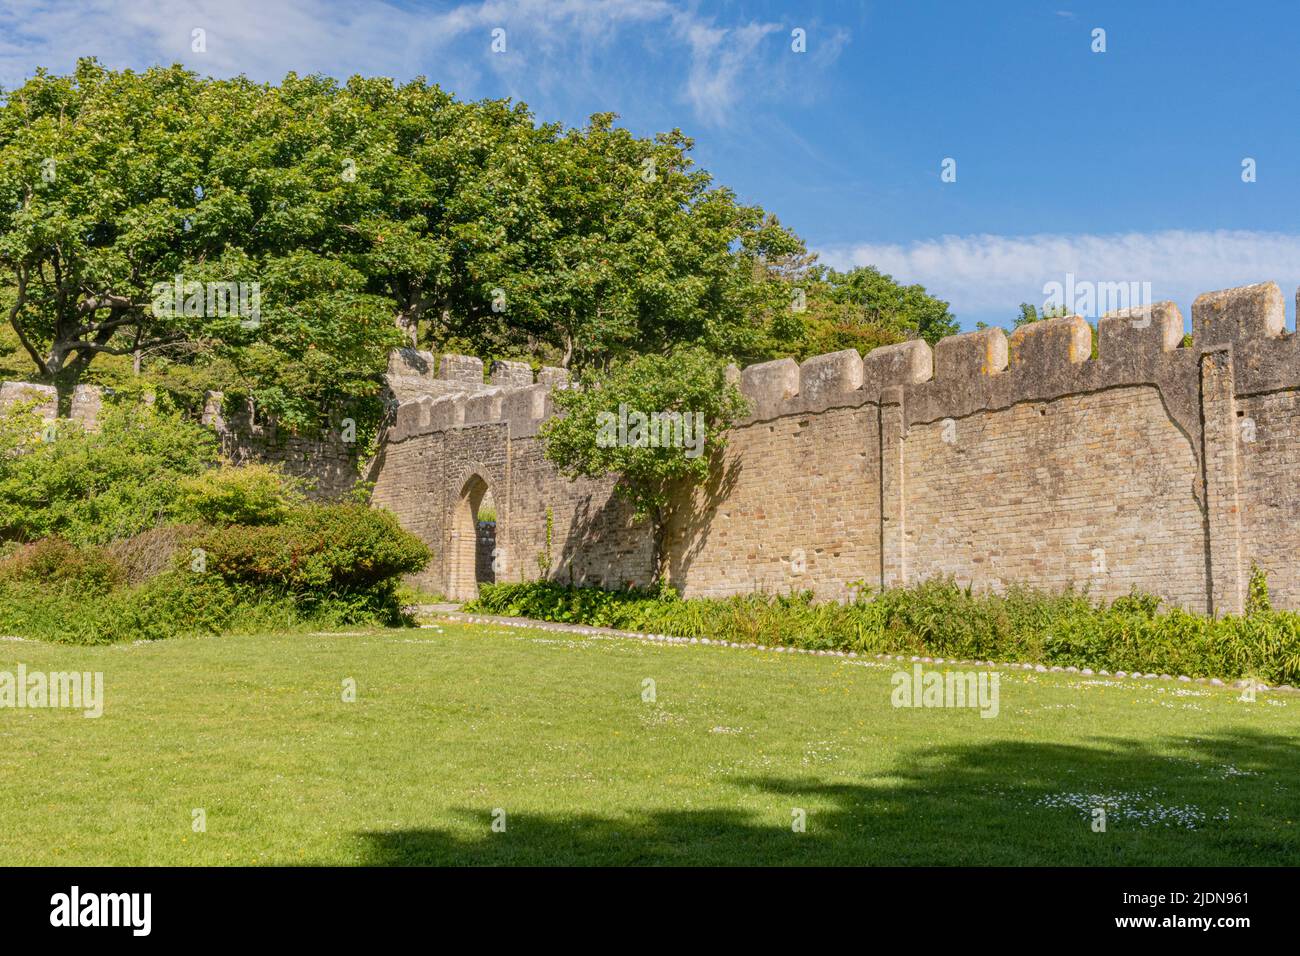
87	401
328	460
994	460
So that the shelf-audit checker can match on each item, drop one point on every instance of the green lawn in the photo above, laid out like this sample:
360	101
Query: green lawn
450	724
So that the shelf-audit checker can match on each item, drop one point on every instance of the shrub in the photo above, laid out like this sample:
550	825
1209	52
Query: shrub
938	618
1257	600
320	547
92	487
180	603
325	566
251	494
152	552
56	562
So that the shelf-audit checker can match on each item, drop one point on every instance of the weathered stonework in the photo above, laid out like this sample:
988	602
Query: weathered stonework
87	401
43	398
328	461
992	459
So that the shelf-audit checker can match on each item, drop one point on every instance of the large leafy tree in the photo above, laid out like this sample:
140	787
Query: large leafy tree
371	213
868	296
114	184
636	250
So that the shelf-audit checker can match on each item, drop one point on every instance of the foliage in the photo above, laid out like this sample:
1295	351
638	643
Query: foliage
146	466
318	548
178	603
875	299
113	184
56	563
152	552
860	309
323	565
941	619
251	494
585	440
1257	599
545	556
367	213
95	486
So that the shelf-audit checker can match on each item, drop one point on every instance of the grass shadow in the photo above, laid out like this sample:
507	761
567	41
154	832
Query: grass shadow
1228	799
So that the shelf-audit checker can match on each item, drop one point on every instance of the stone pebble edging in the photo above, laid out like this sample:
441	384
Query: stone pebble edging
592	631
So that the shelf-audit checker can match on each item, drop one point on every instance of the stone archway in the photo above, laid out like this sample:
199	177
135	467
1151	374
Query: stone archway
472	545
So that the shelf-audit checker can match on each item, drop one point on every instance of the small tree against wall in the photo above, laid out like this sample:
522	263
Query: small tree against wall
655	421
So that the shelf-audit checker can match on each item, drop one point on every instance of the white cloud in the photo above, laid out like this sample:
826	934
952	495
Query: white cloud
553	46
987	274
719	58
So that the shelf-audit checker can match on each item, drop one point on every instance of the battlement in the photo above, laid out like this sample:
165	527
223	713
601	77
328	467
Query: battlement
87	401
963	374
1053	456
434	395
1041	361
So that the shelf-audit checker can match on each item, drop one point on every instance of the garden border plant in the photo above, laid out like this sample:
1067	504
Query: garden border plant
941	619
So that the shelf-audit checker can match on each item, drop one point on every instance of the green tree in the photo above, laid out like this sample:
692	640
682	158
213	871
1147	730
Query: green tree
92	487
633	249
113	184
607	426
1029	313
368	213
870	297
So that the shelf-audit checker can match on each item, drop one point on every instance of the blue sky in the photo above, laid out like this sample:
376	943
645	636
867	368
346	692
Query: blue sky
1122	166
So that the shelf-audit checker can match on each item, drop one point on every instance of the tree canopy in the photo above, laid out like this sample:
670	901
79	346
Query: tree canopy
362	215
654	421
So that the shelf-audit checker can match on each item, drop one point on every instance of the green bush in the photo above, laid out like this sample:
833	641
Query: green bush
180	603
146	466
251	494
325	566
92	487
320	547
941	619
56	562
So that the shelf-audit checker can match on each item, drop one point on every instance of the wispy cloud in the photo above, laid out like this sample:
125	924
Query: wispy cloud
720	56
553	47
985	274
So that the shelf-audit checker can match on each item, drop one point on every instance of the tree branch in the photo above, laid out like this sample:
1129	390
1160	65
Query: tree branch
19	302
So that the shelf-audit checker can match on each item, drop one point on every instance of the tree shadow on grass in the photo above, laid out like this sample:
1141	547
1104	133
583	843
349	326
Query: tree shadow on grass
1229	799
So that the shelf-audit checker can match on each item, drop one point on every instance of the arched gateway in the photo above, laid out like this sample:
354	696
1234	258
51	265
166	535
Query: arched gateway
472	556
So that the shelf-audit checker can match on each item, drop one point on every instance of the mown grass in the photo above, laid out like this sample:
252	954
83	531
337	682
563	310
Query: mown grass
451	724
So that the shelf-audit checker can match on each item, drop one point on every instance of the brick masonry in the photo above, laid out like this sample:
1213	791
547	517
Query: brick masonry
994	460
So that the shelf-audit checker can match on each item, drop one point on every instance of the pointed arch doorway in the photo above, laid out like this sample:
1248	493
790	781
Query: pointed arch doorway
473	555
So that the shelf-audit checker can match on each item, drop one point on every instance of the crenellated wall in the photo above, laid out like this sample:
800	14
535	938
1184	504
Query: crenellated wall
993	459
87	401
